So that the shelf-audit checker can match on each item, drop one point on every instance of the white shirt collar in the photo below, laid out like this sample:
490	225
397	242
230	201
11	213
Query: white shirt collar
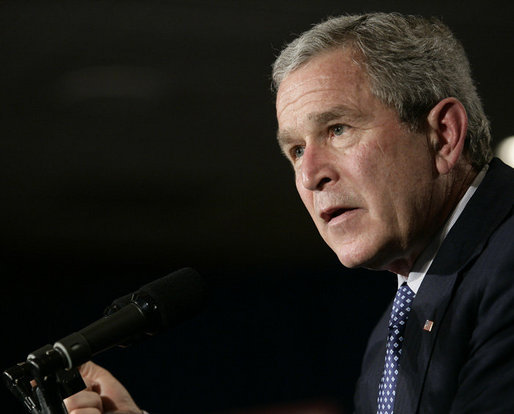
423	262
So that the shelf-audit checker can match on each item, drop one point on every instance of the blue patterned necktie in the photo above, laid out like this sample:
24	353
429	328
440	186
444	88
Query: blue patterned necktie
399	315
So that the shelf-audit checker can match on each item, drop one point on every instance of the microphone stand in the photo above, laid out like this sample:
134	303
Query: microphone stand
42	382
49	374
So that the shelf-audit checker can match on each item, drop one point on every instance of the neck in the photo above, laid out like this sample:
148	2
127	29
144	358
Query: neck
453	187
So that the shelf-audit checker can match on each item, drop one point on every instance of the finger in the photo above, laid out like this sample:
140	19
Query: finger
125	412
113	394
85	411
84	400
92	372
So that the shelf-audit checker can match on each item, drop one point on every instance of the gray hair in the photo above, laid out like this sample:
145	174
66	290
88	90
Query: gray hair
412	63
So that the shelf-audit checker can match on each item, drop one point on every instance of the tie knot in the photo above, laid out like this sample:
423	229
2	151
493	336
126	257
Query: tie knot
401	306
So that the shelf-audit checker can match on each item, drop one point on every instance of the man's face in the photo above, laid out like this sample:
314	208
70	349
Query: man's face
366	180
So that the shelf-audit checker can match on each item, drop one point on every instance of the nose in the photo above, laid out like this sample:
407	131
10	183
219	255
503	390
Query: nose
317	169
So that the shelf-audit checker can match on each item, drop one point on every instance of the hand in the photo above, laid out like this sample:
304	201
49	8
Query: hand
104	394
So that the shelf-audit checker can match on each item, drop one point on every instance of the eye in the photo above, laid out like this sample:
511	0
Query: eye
297	151
338	129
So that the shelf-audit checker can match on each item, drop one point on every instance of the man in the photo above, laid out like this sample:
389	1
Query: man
390	147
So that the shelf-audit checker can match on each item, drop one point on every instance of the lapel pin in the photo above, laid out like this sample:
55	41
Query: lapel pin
428	325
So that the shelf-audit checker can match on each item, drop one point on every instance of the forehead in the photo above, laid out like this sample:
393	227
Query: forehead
332	78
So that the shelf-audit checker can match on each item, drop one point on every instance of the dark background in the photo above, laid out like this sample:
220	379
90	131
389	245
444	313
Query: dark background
136	138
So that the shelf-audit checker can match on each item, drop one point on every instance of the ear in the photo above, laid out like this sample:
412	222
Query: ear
448	123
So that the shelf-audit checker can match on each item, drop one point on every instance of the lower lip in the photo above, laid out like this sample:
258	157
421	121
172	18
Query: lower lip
342	218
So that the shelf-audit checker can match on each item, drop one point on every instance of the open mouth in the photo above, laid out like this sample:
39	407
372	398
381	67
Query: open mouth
331	214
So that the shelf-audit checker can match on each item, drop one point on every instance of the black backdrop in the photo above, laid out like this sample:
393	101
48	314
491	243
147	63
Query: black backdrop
137	137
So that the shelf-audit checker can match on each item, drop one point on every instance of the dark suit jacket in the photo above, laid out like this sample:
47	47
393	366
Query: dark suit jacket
465	364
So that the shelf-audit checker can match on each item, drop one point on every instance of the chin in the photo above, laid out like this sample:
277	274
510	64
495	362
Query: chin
369	256
352	258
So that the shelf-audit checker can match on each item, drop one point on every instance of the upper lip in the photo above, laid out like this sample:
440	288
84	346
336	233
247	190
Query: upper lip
332	212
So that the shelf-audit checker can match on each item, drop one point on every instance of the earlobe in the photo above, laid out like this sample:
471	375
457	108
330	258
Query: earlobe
448	124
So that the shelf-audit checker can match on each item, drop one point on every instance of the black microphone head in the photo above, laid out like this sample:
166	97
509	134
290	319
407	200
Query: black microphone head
177	296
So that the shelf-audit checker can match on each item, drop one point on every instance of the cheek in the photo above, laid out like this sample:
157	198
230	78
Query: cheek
375	180
366	167
376	157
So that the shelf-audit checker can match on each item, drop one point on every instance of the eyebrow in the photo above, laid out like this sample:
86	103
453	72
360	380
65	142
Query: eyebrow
320	118
333	113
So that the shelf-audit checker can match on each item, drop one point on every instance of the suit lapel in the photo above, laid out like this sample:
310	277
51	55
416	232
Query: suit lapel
484	212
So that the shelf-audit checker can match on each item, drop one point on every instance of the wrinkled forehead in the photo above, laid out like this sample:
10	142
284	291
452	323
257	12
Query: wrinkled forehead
333	75
301	83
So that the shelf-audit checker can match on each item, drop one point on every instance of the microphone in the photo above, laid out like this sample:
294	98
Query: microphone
160	304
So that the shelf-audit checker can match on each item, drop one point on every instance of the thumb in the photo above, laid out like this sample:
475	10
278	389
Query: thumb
113	394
